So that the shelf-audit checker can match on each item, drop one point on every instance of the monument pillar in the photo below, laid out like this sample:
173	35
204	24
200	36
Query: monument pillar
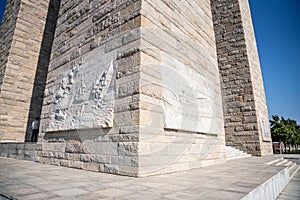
133	88
25	50
244	101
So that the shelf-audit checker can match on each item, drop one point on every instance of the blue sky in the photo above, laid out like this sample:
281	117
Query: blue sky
2	7
277	29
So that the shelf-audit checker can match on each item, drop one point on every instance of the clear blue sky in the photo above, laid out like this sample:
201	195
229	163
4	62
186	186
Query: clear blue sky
277	29
2	7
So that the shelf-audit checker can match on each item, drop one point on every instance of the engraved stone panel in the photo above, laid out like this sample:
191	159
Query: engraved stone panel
84	97
188	99
265	128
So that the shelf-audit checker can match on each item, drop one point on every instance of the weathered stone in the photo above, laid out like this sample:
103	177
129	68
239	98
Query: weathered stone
74	147
90	166
111	169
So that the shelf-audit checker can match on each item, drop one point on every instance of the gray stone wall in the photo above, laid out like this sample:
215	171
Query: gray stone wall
29	18
21	151
245	112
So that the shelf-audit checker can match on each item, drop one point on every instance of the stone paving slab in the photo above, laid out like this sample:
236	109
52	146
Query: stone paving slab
28	180
292	190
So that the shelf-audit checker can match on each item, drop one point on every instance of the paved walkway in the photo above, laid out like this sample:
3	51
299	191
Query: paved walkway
29	180
292	190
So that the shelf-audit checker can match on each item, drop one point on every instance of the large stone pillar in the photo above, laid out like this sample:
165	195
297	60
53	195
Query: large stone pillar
244	102
133	88
23	66
181	125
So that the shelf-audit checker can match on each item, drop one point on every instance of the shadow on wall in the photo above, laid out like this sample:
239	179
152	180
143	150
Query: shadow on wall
42	67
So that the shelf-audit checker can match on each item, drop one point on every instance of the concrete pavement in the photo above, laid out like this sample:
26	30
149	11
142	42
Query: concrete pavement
29	180
292	190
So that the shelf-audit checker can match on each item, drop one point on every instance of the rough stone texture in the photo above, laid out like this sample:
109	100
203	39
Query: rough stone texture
23	29
21	151
244	104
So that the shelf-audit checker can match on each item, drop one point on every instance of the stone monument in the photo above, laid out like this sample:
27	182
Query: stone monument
132	87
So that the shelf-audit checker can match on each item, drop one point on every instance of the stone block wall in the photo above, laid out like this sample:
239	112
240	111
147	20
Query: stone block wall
42	66
133	86
257	79
181	120
23	28
91	99
7	32
244	104
143	54
21	151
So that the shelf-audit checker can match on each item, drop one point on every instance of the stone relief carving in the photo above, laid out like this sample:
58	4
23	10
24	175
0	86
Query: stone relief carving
265	128
188	102
85	95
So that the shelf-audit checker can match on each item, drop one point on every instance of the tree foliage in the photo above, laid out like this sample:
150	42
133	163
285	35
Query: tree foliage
285	130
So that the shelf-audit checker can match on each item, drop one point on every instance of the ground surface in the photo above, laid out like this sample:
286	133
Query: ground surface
29	180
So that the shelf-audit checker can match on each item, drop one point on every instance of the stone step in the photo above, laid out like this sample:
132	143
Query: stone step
238	154
289	164
293	170
272	162
292	167
282	162
233	153
237	157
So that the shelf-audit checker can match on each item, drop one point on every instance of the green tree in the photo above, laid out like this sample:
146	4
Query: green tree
285	130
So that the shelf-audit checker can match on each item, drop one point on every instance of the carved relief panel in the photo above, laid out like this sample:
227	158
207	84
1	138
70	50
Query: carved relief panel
84	95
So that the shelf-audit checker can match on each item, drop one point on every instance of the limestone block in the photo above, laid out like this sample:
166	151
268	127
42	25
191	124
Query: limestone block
90	166
111	169
54	161
103	159
102	148
72	156
128	148
60	155
75	164
124	160
74	147
87	157
129	170
29	147
65	163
